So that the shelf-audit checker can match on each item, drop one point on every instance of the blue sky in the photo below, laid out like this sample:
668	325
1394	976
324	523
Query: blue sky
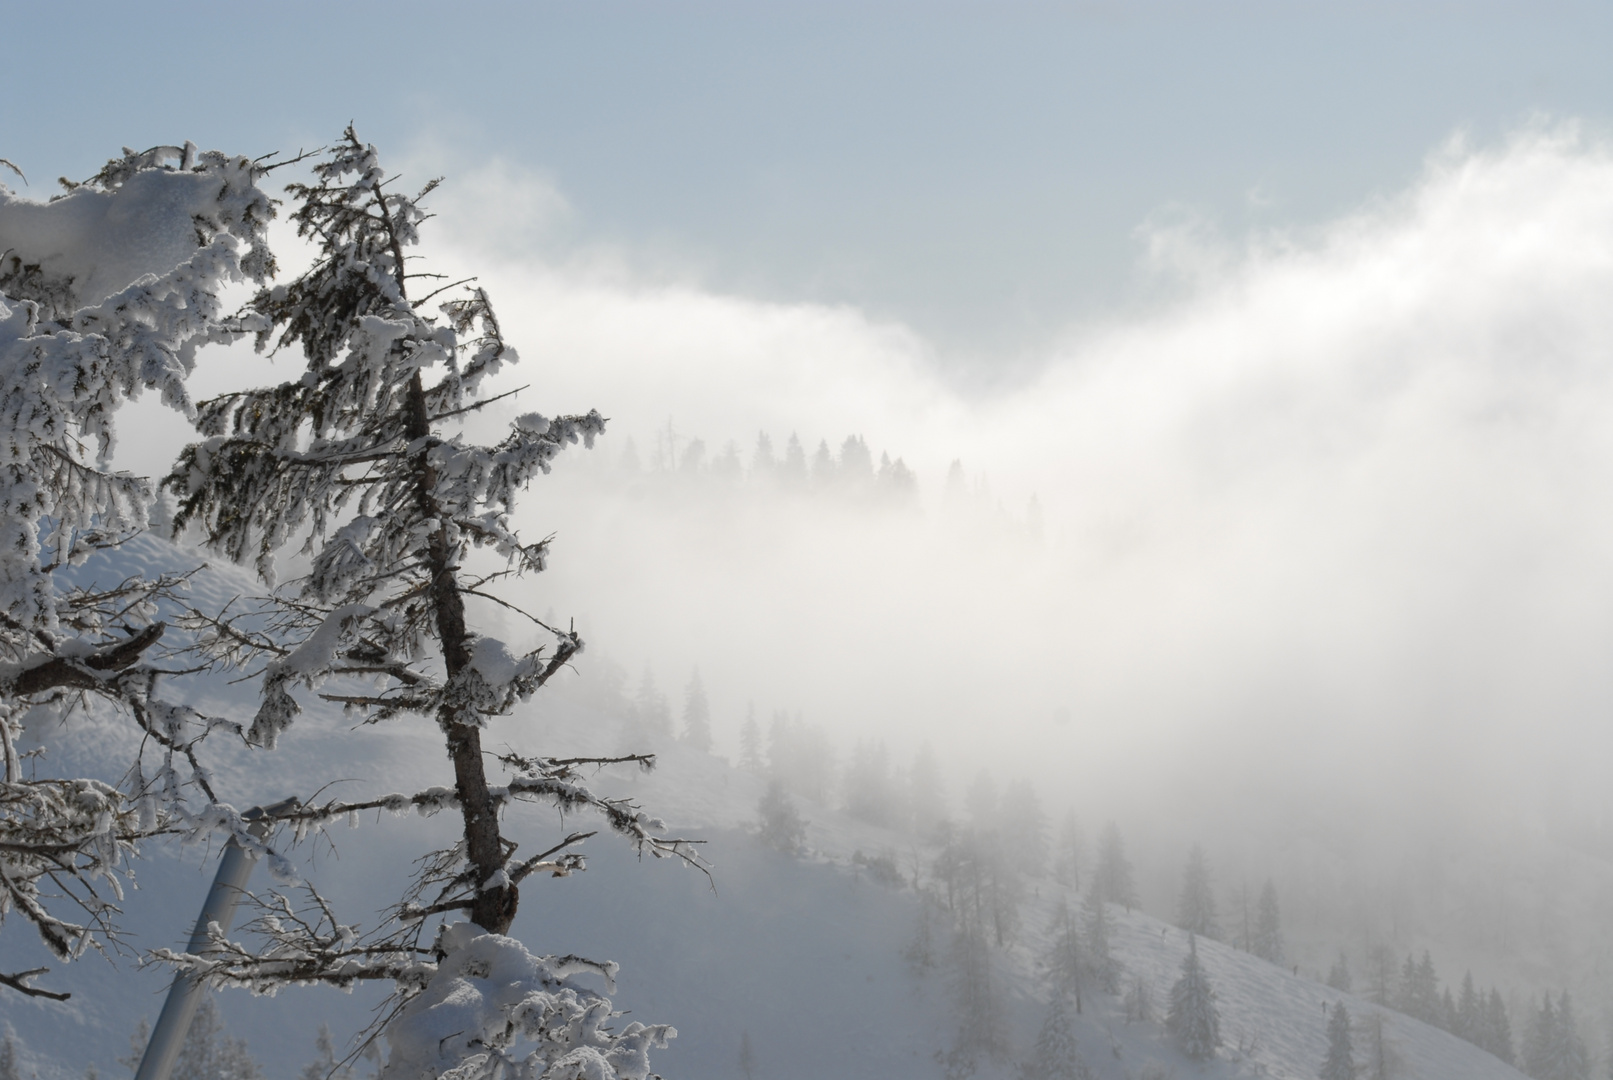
977	172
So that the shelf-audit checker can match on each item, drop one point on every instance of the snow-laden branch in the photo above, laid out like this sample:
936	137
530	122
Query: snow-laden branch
105	292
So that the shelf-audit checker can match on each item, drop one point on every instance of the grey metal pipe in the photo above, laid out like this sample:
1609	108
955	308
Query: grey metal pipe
185	995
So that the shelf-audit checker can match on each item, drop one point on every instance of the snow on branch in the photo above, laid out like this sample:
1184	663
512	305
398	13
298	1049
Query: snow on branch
106	291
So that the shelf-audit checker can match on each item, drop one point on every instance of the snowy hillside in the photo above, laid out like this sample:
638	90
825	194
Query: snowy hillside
799	959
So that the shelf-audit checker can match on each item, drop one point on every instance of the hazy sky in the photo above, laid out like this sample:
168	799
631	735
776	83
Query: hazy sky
979	172
1294	320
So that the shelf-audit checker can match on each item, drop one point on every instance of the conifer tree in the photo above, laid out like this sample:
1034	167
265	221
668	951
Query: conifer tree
1498	1028
1057	1055
1099	961
210	1052
406	524
793	471
1554	1049
1139	1001
981	1022
1195	910
1069	859
1380	1058
1193	1018
750	742
1470	1013
1267	942
1065	962
8	1059
1537	1040
1381	986
1572	1057
1024	830
823	465
1113	875
651	712
1419	991
762	461
696	714
781	826
327	1066
1340	1061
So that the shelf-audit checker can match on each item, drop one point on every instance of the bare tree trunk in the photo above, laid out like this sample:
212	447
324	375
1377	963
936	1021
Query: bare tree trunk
492	909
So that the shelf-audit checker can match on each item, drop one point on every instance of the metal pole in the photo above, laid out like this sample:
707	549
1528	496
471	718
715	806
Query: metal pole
185	995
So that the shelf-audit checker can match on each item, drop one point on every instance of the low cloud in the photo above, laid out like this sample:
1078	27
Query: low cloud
1335	519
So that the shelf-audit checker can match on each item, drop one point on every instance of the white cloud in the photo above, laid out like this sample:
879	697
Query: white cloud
1355	478
1340	511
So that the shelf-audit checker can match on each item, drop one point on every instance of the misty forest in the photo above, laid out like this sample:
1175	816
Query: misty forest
450	636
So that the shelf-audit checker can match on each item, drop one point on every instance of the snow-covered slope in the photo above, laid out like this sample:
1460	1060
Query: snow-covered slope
800	958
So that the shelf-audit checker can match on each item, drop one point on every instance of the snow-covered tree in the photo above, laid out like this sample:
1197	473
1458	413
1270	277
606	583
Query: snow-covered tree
1267	941
1193	1019
326	1065
1024	830
1100	965
1553	1049
793	469
983	891
982	1026
780	825
1537	1039
1569	1053
1195	910
1112	877
652	715
1380	1060
8	1059
1057	1056
1340	1061
1139	1001
823	465
1447	1011
1419	990
106	291
1469	1012
1498	1028
1381	974
750	742
696	714
1065	963
404	522
210	1052
1070	852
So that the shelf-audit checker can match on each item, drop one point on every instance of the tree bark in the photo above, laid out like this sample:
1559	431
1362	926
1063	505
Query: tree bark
492	908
